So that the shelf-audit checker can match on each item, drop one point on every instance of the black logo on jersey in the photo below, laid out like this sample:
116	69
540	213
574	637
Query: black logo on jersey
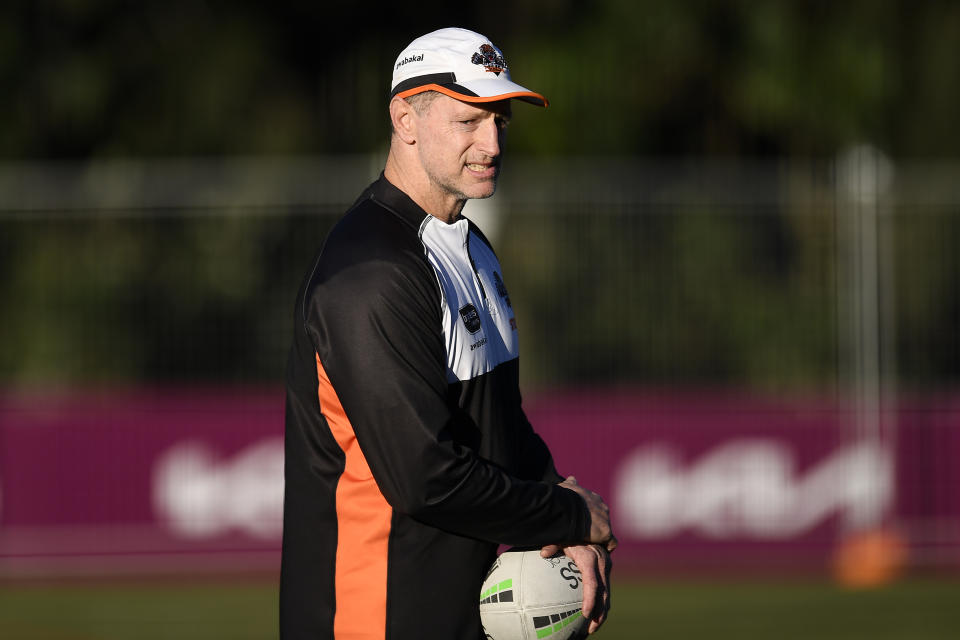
501	288
471	319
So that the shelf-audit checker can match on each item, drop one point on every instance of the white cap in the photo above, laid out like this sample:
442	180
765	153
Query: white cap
459	63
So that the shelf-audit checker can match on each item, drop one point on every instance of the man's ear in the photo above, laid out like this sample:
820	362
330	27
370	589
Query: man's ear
403	118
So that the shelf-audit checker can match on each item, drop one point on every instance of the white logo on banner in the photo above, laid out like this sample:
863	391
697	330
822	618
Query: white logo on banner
748	488
200	496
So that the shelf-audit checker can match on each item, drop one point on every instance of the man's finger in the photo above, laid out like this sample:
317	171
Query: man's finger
603	569
589	577
598	615
550	550
612	543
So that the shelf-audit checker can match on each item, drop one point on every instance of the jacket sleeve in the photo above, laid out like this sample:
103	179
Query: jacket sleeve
540	464
377	332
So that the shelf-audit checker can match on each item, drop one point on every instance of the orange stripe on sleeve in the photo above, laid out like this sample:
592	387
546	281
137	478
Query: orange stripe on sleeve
363	521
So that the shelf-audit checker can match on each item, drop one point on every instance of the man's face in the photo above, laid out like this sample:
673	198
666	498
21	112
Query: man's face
460	144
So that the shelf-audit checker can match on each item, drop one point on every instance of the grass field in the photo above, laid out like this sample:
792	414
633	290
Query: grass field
911	610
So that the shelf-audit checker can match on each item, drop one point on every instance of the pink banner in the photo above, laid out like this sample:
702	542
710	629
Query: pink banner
133	481
186	481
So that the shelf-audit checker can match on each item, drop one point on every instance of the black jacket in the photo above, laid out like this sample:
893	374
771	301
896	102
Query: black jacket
408	455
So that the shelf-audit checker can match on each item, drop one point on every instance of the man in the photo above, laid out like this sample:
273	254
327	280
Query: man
408	456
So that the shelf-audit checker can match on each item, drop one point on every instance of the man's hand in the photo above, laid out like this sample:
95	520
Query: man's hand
600	532
594	564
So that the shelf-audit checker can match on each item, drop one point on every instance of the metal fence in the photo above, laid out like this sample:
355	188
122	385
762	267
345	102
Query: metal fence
738	340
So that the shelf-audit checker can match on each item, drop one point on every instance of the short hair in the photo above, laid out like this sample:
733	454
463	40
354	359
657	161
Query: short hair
420	103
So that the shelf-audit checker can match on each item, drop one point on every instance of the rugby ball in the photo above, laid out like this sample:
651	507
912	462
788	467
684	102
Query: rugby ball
526	597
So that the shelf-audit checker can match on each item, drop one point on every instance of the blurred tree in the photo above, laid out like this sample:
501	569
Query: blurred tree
727	78
792	77
94	79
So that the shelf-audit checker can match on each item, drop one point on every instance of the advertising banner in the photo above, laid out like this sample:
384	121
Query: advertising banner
192	480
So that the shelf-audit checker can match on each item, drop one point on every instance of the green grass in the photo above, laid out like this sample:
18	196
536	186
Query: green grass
911	610
915	610
139	612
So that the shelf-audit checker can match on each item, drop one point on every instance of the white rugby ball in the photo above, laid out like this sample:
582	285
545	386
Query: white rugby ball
526	597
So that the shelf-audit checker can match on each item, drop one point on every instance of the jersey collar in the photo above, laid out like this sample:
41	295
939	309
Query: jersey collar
390	197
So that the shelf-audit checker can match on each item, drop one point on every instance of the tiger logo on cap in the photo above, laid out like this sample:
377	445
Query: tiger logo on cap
490	59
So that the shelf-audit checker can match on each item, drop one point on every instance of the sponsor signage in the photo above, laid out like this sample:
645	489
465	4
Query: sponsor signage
174	480
140	481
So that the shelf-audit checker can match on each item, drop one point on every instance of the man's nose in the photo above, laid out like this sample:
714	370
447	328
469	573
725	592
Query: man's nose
488	135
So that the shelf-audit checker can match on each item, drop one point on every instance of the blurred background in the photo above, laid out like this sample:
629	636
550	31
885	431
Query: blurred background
731	241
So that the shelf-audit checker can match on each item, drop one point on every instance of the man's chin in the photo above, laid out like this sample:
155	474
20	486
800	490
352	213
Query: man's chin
483	190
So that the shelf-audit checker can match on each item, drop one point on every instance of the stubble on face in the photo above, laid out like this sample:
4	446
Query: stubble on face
461	147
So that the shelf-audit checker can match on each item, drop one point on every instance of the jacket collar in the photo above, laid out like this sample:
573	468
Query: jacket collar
384	193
